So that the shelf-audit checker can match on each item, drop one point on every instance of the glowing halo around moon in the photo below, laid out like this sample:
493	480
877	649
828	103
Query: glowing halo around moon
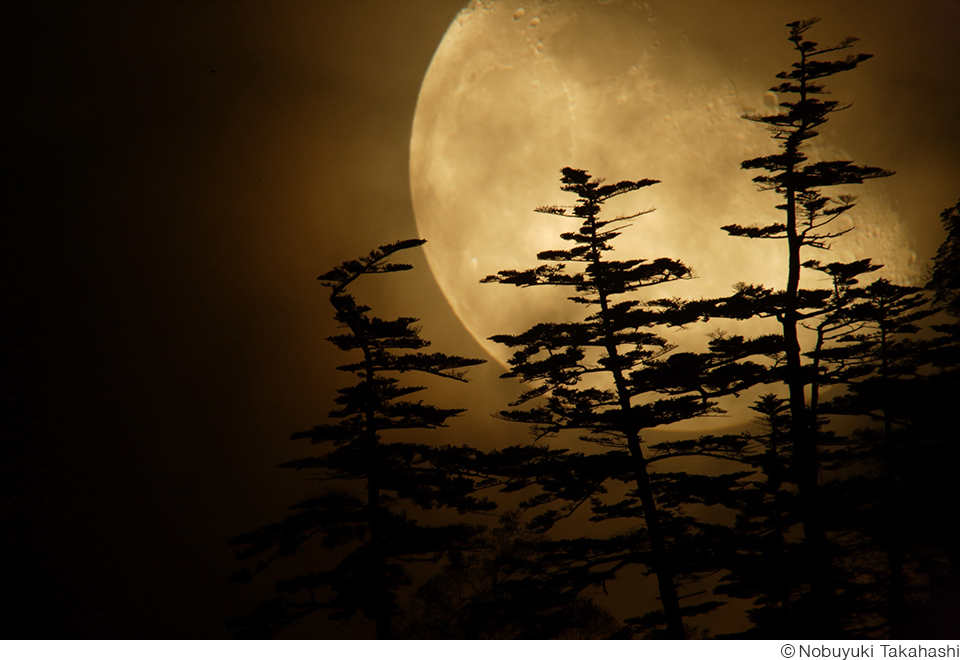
516	91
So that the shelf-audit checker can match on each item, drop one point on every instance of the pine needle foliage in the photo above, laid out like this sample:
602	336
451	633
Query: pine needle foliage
363	521
809	222
610	377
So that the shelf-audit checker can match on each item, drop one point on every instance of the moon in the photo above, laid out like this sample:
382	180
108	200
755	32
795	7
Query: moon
516	91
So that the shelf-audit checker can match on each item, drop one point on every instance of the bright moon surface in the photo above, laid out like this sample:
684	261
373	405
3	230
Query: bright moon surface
517	91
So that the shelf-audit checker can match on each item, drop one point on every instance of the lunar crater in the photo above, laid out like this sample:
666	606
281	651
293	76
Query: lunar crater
499	115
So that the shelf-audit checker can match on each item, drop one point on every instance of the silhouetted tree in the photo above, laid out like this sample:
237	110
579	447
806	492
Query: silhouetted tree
763	565
884	356
945	275
927	453
611	377
496	590
808	216
373	526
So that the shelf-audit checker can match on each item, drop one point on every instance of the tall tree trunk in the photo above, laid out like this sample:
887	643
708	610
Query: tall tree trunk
803	440
662	565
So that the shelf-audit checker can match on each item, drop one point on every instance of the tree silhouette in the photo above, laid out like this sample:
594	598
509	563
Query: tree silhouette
945	275
883	356
371	526
762	568
808	223
927	454
496	590
612	377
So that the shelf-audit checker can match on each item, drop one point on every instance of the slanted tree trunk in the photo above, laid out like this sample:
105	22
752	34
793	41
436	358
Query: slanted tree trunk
662	566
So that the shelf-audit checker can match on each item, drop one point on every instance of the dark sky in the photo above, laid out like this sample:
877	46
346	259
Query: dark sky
182	172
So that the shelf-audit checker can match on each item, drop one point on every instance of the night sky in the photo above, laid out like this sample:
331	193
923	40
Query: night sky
183	171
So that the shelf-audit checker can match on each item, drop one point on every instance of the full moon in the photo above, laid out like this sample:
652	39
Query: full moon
517	91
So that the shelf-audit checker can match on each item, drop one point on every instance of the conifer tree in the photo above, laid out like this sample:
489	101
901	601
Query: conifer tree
808	218
945	275
496	590
610	376
371	528
925	450
877	360
945	284
762	566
